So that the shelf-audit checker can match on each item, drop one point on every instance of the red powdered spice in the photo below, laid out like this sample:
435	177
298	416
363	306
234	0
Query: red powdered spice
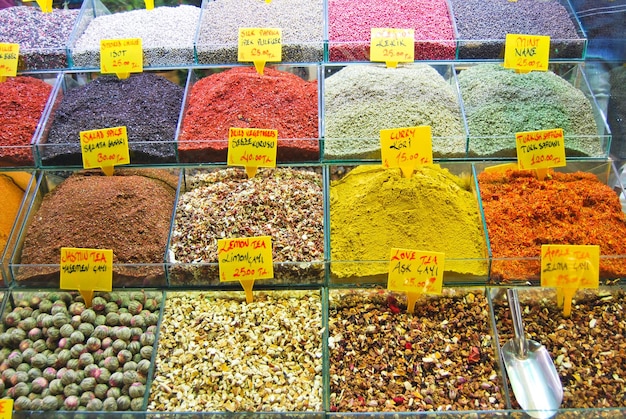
22	101
523	212
242	98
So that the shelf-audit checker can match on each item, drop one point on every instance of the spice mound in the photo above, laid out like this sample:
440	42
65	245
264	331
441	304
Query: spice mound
588	348
147	104
383	359
522	213
482	26
373	210
12	188
43	37
285	203
57	354
241	98
362	100
218	353
22	101
350	23
167	35
499	102
129	213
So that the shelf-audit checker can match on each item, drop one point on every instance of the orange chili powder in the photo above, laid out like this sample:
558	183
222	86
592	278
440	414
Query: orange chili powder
522	213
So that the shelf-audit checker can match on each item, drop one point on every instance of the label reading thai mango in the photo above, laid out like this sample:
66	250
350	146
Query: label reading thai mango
415	271
6	408
526	53
406	148
570	266
86	270
104	148
121	56
392	46
252	148
260	45
540	149
9	56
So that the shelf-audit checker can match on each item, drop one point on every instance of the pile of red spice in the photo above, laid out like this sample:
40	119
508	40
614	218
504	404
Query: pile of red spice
242	98
22	101
523	212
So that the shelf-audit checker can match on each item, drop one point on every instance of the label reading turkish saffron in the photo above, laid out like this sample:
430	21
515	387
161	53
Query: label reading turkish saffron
392	46
570	266
121	56
406	148
540	149
526	53
252	148
6	408
260	45
104	148
86	270
9	56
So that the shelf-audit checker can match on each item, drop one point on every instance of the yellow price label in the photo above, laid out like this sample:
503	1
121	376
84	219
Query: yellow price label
540	149
252	148
245	259
86	270
6	408
104	148
392	46
406	148
526	53
45	5
415	272
260	45
9	57
149	4
121	56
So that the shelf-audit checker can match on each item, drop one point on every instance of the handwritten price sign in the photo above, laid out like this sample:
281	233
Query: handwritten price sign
252	148
415	272
9	56
86	270
104	148
540	149
392	46
121	56
406	148
6	408
526	53
260	45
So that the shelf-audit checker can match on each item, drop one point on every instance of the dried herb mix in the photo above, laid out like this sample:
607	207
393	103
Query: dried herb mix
499	102
242	98
147	104
383	359
360	100
284	203
522	213
22	102
374	209
129	213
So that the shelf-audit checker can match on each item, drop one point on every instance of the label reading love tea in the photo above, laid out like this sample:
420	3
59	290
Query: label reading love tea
392	46
526	53
260	45
406	148
570	266
540	149
86	270
415	271
9	56
252	148
245	258
121	56
104	148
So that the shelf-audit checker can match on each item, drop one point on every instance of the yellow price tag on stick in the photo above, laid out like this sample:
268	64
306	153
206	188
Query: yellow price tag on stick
149	4
245	259
540	150
415	272
121	56
525	53
568	268
260	45
392	46
104	148
9	57
252	148
86	270
406	148
6	408
45	5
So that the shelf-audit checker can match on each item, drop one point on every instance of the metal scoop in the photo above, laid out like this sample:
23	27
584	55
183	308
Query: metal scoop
532	374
